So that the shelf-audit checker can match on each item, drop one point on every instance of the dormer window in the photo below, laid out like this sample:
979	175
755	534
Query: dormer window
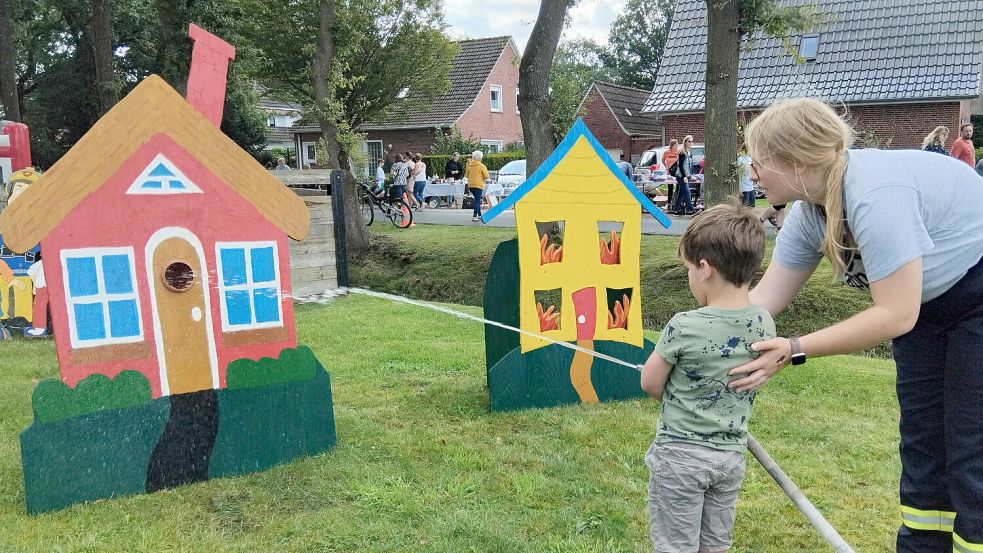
403	92
809	47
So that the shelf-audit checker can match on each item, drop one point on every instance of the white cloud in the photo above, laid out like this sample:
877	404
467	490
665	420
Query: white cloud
476	19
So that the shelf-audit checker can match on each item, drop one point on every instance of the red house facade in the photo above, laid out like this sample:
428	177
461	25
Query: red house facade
613	113
165	245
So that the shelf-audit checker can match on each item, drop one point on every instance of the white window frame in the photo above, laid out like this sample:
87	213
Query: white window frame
496	88
304	158
271	120
499	144
517	100
101	297
249	285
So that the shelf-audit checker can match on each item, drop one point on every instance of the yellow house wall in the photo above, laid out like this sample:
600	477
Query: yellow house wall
580	191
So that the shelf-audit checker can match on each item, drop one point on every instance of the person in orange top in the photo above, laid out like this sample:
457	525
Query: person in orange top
669	158
962	147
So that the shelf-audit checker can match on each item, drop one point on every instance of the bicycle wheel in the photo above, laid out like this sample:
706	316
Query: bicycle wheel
367	211
400	214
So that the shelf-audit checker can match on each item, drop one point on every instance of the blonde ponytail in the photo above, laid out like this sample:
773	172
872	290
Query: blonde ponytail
805	132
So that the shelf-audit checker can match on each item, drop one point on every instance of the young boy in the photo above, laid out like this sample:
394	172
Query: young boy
697	458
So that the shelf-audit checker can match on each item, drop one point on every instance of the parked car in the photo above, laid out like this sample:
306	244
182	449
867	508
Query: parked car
511	175
654	157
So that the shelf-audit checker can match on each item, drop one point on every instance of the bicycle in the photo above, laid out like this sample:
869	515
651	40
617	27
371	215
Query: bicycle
395	209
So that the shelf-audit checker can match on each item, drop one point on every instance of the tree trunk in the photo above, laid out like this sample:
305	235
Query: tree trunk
720	137
101	31
356	235
534	89
8	75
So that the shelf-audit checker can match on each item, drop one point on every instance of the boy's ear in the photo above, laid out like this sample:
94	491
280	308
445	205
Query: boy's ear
706	270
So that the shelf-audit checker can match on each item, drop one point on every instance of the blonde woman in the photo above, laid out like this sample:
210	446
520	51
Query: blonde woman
476	173
905	226
684	173
935	141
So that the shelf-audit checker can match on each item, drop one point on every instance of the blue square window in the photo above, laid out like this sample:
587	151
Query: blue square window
234	266
89	321
116	273
250	285
124	320
82	277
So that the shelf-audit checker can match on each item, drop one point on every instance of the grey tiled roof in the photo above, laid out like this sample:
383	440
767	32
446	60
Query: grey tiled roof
874	51
469	71
626	104
276	135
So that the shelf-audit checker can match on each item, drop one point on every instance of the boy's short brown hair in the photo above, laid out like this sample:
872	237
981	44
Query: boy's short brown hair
730	238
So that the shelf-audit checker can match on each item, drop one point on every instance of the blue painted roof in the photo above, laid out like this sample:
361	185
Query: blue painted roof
578	130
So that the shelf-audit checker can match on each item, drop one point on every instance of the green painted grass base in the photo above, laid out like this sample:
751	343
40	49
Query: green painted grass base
105	454
541	378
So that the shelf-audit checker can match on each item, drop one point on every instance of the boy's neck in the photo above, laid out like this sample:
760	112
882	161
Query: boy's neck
727	296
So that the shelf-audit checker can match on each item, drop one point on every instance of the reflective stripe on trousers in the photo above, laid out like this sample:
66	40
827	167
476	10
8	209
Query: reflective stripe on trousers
960	545
927	520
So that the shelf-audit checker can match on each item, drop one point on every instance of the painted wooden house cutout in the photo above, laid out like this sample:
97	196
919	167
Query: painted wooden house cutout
573	275
166	256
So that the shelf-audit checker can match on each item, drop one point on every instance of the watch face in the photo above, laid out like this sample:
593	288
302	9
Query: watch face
798	358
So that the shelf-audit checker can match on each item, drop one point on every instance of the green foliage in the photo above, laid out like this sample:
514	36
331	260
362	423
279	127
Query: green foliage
448	142
54	401
292	365
872	139
577	63
636	41
269	157
979	152
494	162
779	21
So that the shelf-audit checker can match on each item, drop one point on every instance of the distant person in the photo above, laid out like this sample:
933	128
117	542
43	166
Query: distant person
625	167
453	169
419	179
962	147
476	173
684	175
669	158
935	141
281	165
744	172
400	171
380	175
696	461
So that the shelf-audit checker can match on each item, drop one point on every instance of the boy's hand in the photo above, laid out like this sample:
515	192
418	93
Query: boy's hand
775	354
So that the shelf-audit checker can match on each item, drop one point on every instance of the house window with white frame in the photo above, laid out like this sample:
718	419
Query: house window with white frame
249	285
493	146
516	100
103	306
496	98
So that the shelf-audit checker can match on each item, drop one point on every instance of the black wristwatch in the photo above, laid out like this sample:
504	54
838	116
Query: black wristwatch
798	357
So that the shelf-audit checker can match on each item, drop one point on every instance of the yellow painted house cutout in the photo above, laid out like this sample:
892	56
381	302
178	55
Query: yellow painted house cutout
578	220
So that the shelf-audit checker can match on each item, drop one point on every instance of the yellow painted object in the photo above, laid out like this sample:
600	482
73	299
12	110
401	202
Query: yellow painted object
581	191
23	299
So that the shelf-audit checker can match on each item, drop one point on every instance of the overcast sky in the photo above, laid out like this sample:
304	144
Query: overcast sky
481	18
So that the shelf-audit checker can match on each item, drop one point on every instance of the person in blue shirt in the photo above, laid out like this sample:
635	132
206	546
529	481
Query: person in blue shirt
904	226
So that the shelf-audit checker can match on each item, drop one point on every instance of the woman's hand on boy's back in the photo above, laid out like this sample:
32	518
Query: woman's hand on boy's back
775	354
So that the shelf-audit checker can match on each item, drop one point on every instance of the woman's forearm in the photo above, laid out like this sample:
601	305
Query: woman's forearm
861	331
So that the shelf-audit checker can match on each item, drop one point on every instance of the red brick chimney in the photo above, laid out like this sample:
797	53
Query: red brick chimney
209	69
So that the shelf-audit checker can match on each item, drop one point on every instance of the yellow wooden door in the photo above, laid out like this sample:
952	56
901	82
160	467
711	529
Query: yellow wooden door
180	288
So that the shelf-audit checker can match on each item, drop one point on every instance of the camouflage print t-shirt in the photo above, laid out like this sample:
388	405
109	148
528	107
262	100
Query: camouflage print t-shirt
702	345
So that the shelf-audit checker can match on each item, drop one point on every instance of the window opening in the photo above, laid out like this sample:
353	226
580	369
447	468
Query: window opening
550	241
610	241
548	306
619	305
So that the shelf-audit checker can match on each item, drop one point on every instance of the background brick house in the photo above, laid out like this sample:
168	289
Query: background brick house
900	69
482	102
613	113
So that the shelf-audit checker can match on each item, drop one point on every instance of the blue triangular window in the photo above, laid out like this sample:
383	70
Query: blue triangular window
161	176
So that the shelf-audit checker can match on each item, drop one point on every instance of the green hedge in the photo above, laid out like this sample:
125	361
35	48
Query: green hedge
292	365
54	401
979	153
494	162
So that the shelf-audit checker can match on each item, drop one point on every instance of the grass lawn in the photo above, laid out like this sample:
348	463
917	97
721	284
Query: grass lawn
422	465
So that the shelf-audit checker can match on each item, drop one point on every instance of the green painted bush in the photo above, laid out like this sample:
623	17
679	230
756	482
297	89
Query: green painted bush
294	364
54	401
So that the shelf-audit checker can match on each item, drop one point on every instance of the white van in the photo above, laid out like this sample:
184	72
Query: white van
654	157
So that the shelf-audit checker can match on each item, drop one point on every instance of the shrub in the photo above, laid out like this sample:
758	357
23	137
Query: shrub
292	365
54	401
494	162
979	153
